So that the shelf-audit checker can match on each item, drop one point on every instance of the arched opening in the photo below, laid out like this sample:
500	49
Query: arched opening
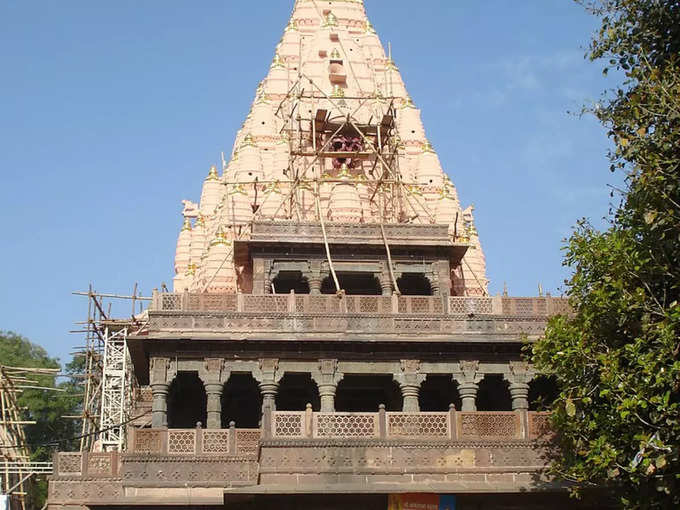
414	284
187	401
286	281
438	392
241	402
543	391
365	393
296	391
360	284
494	394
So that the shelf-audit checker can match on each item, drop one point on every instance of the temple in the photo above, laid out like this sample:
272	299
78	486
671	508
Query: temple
330	340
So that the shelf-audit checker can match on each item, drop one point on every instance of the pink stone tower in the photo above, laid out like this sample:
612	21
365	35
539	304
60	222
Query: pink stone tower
329	58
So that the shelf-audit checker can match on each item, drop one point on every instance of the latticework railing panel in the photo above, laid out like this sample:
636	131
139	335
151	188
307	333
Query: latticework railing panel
247	441
70	463
216	442
319	304
288	424
418	425
539	425
181	442
421	304
489	425
265	303
470	305
346	425
147	441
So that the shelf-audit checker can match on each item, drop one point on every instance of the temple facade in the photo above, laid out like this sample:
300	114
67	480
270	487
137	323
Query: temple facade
330	340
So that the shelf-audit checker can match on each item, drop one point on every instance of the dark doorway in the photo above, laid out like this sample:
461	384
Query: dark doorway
414	284
543	391
296	391
493	394
241	402
364	393
438	392
286	281
359	284
187	401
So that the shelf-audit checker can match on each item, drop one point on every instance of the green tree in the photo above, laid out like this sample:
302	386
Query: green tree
46	408
616	357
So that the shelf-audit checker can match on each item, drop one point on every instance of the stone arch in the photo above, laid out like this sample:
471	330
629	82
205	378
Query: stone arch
438	392
187	401
241	401
359	283
296	390
286	281
414	284
543	391
494	394
365	393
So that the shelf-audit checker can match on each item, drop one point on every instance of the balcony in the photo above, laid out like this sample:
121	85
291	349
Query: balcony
306	451
244	315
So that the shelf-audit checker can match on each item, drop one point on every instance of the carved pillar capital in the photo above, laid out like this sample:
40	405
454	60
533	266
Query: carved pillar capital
314	277
519	376
468	378
162	370
409	380
327	378
213	370
268	376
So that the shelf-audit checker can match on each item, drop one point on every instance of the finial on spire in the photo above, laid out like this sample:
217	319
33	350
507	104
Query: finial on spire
338	91
186	227
278	62
248	141
408	103
335	54
427	147
212	174
330	21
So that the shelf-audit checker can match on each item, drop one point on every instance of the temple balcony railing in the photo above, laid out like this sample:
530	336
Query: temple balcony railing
246	315
306	304
384	425
493	451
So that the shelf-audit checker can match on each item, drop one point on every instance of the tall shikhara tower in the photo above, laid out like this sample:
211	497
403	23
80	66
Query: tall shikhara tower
332	137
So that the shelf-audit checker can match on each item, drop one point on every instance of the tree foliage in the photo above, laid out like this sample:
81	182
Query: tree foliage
50	432
617	356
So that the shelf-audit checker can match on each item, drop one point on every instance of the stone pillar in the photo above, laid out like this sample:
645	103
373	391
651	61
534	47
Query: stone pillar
327	378
159	405
213	374
161	373
385	283
214	412
468	378
314	277
433	277
268	377
519	377
409	381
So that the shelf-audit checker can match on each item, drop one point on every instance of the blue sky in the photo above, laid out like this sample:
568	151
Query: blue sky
112	112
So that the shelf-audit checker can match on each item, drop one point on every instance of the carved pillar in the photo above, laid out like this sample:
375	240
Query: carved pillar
213	375
314	277
267	276
519	377
161	374
385	280
268	377
327	379
468	378
433	277
409	381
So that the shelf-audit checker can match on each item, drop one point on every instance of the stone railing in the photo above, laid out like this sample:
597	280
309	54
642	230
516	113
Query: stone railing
451	425
351	233
195	442
87	464
358	305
